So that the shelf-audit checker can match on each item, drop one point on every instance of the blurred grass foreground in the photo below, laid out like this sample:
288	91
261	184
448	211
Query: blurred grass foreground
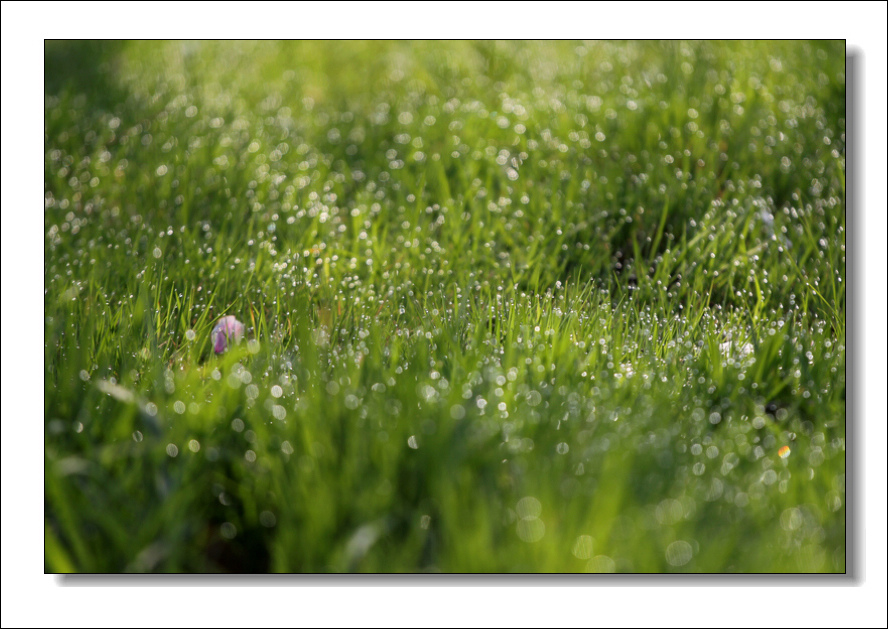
506	307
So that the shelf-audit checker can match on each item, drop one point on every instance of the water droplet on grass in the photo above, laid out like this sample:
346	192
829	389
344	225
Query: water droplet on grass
601	564
529	507
531	530
228	530
679	553
582	548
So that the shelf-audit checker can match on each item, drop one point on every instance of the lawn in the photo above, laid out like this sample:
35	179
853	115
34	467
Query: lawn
508	307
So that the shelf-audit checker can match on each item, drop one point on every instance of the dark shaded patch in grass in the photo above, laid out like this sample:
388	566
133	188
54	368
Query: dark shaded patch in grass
85	67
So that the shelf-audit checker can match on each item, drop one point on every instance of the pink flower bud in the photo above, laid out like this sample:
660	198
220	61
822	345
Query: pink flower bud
228	329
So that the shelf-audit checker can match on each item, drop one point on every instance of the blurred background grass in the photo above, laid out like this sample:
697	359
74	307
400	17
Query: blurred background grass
533	307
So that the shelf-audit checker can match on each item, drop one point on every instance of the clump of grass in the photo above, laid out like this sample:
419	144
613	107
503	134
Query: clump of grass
544	307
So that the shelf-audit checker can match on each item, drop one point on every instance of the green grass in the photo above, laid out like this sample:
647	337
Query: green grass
510	307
